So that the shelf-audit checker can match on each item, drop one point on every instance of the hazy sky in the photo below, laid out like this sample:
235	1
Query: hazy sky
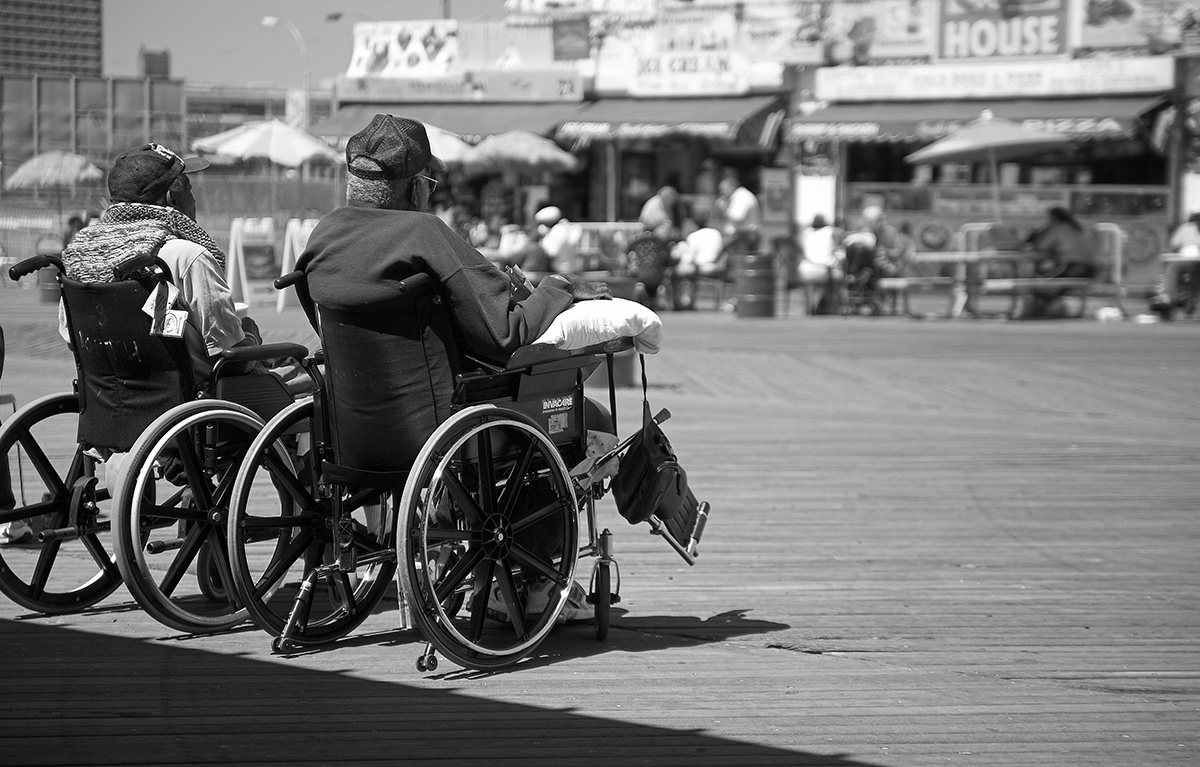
224	41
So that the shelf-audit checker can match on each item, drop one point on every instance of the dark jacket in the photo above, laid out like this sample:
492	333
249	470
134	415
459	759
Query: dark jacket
395	357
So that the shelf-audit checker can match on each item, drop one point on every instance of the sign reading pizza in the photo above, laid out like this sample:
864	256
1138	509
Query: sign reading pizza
994	29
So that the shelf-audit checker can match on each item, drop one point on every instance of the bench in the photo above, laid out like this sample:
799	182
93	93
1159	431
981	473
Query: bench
1110	244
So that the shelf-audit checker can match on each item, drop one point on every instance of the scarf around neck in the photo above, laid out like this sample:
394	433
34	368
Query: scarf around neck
130	229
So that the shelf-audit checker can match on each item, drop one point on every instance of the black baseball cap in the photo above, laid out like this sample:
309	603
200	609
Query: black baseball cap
145	173
398	146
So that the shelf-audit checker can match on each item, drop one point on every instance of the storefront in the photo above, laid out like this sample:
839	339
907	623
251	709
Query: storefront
641	144
1116	169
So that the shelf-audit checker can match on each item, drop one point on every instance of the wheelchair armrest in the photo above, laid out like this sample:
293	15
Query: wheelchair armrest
30	265
265	352
535	354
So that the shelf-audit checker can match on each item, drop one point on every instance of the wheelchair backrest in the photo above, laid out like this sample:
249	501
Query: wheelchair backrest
388	378
127	377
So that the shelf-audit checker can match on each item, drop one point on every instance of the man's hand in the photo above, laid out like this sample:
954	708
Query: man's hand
581	289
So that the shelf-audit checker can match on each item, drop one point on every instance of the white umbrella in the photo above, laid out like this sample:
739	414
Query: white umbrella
446	145
520	151
273	140
991	139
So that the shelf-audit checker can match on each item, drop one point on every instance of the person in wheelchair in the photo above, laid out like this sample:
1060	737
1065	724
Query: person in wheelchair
358	255
153	211
355	261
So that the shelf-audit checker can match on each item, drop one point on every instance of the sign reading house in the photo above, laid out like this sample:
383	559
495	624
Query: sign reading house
994	29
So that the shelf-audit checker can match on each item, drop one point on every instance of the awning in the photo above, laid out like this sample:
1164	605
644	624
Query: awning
1098	118
750	119
473	121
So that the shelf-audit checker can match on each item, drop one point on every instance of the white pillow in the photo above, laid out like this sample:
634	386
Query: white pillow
593	322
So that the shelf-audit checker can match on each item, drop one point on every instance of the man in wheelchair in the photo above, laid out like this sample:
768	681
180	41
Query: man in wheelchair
355	263
153	211
358	255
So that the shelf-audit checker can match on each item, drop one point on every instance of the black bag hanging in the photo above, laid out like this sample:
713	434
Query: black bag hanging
650	480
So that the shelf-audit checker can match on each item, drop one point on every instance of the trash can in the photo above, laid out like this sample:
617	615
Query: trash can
754	276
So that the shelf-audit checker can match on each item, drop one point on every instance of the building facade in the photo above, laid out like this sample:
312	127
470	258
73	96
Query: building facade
51	37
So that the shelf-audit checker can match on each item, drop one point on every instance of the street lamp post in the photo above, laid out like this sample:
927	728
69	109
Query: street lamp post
271	21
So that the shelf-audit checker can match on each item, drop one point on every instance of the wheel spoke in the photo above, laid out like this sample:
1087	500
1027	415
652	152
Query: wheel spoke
281	475
512	602
514	486
102	557
193	468
41	573
451	580
41	462
463	499
546	568
281	564
537	516
483	581
487	474
219	553
183	560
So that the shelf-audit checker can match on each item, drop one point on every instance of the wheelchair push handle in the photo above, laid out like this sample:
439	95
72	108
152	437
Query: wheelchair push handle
289	279
30	265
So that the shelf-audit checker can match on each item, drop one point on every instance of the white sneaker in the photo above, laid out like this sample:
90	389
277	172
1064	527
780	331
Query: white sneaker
577	607
15	533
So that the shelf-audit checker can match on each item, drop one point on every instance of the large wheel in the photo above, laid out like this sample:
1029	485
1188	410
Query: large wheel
172	503
48	473
489	513
280	530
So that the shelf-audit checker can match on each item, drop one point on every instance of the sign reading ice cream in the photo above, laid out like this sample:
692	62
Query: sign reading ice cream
993	29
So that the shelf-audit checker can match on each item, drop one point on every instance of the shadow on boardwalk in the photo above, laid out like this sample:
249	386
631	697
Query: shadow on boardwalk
124	701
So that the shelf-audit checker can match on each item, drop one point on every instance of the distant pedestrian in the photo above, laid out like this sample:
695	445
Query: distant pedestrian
742	213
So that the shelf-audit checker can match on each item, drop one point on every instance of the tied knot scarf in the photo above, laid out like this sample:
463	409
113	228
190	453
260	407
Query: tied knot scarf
130	229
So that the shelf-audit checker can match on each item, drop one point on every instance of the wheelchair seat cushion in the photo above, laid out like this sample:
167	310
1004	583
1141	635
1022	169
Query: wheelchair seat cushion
588	323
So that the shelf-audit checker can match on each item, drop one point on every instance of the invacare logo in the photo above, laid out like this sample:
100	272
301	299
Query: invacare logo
552	404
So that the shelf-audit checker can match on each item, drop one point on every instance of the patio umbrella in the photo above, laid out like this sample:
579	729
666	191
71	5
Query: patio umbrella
272	140
446	145
519	151
54	169
989	139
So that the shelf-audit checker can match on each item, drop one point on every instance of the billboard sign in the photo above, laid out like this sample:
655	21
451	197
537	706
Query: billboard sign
998	29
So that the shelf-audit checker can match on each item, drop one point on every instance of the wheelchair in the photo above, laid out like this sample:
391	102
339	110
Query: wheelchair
478	522
161	529
860	286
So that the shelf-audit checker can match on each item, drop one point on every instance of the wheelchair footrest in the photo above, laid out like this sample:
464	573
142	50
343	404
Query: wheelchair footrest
684	530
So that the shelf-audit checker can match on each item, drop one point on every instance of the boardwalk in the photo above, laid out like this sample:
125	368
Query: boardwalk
961	543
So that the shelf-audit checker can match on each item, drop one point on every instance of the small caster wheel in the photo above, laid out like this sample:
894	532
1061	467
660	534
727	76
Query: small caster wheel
281	645
431	663
421	664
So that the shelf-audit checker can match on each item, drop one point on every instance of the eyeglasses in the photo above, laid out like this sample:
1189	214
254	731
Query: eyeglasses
432	183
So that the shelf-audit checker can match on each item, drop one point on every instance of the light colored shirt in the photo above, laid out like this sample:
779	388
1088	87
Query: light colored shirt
742	211
561	244
818	246
1186	239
